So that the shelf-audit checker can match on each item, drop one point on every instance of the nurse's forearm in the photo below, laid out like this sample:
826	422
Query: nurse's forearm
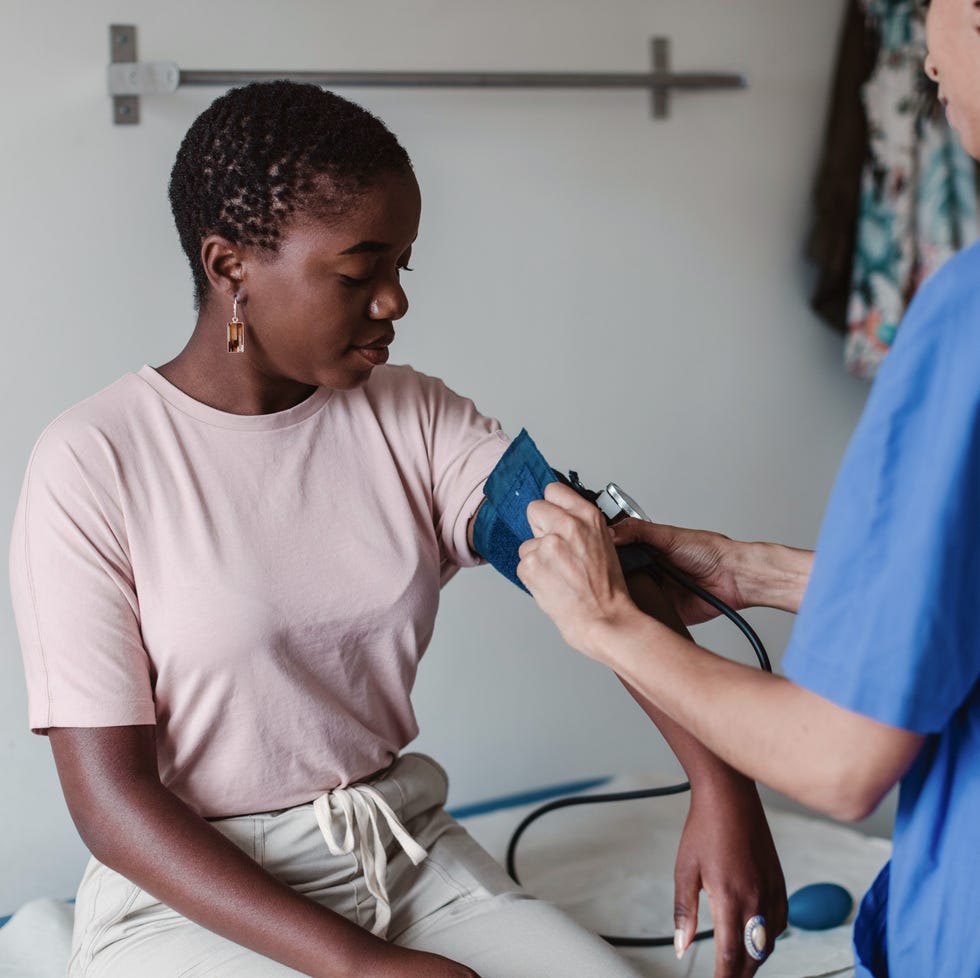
770	575
828	758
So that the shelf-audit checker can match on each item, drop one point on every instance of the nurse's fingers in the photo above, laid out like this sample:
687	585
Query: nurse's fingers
569	518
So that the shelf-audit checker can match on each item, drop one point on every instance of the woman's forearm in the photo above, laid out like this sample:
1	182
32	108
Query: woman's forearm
136	826
172	853
702	767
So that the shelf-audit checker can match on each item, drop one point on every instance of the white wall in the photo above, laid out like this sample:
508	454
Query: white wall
631	291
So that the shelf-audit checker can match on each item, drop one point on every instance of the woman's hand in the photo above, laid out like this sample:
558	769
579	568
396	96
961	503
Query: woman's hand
726	849
709	559
571	568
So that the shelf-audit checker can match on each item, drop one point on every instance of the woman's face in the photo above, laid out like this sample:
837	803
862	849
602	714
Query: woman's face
321	310
953	38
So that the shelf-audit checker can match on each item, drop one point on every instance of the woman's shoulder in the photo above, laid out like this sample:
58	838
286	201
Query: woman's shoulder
401	377
405	386
405	397
96	422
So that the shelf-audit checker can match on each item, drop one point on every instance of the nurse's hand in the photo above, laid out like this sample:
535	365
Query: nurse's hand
727	850
709	559
743	575
571	567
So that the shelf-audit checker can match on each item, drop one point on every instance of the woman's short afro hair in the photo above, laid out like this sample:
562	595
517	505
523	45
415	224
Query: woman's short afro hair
260	153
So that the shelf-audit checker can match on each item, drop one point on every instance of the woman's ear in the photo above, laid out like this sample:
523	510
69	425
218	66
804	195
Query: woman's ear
222	261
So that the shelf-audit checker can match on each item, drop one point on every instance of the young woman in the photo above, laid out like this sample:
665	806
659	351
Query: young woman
225	571
885	656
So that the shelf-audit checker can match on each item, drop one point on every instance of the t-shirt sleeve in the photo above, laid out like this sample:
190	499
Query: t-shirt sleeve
463	447
889	624
73	594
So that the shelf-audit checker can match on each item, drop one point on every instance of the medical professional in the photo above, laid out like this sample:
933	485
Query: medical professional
884	661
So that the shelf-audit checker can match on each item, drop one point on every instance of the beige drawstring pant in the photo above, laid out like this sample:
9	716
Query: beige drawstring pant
383	854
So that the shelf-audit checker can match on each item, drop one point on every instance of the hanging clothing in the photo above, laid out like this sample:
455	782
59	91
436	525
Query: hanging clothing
917	201
838	191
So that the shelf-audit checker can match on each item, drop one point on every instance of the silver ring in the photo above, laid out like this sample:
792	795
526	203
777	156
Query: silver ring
755	937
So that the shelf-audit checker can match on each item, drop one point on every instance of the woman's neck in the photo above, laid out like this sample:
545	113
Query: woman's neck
230	382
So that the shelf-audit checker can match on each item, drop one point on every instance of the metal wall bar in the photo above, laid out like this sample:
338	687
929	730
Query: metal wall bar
129	78
471	79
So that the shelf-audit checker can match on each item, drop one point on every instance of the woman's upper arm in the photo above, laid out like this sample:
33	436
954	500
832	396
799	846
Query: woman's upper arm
100	768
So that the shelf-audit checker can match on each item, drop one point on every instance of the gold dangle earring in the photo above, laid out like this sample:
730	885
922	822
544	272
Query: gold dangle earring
236	330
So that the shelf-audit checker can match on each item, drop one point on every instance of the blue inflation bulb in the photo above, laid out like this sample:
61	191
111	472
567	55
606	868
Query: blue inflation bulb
501	525
820	906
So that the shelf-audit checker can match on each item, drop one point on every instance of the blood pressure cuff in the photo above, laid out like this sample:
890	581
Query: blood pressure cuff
501	525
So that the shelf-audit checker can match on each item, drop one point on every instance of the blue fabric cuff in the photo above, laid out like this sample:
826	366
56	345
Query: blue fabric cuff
501	525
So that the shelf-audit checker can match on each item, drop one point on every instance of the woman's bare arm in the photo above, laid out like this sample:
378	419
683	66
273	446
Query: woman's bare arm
726	848
136	826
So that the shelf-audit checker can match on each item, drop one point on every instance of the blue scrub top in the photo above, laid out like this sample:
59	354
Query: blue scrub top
890	623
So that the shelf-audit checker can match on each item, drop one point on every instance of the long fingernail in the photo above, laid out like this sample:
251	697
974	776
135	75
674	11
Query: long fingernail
679	947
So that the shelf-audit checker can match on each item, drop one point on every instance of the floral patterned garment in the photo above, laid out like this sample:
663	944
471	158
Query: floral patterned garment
918	195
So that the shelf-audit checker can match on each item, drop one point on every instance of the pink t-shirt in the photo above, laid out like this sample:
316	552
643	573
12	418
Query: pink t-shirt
261	588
